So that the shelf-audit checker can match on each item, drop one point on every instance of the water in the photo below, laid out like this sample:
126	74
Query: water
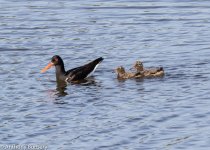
107	114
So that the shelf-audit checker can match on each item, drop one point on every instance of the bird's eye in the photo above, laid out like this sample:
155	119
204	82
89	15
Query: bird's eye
54	59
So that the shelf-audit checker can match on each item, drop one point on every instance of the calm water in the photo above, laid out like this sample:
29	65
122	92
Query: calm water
151	114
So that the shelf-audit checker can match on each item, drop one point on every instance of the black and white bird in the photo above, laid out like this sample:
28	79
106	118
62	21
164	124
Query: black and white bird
75	74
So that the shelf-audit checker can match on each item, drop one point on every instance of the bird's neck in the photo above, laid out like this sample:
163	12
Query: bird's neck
121	74
60	71
139	68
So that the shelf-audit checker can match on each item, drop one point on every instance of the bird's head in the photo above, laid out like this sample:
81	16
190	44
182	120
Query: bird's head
55	60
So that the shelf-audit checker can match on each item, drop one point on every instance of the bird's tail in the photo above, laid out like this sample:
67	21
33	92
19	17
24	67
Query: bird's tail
160	69
98	60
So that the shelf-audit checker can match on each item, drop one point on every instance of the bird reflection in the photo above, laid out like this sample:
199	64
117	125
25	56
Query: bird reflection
62	86
61	91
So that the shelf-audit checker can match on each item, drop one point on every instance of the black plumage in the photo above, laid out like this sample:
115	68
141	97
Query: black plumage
74	74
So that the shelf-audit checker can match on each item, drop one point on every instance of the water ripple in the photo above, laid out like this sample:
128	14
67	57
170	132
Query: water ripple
103	112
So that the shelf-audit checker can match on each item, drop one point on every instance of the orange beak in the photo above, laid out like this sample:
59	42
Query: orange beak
47	67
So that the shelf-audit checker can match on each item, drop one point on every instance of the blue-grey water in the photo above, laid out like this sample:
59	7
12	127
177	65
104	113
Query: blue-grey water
170	113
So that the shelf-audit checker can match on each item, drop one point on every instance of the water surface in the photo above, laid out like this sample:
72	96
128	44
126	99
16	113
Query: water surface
167	113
